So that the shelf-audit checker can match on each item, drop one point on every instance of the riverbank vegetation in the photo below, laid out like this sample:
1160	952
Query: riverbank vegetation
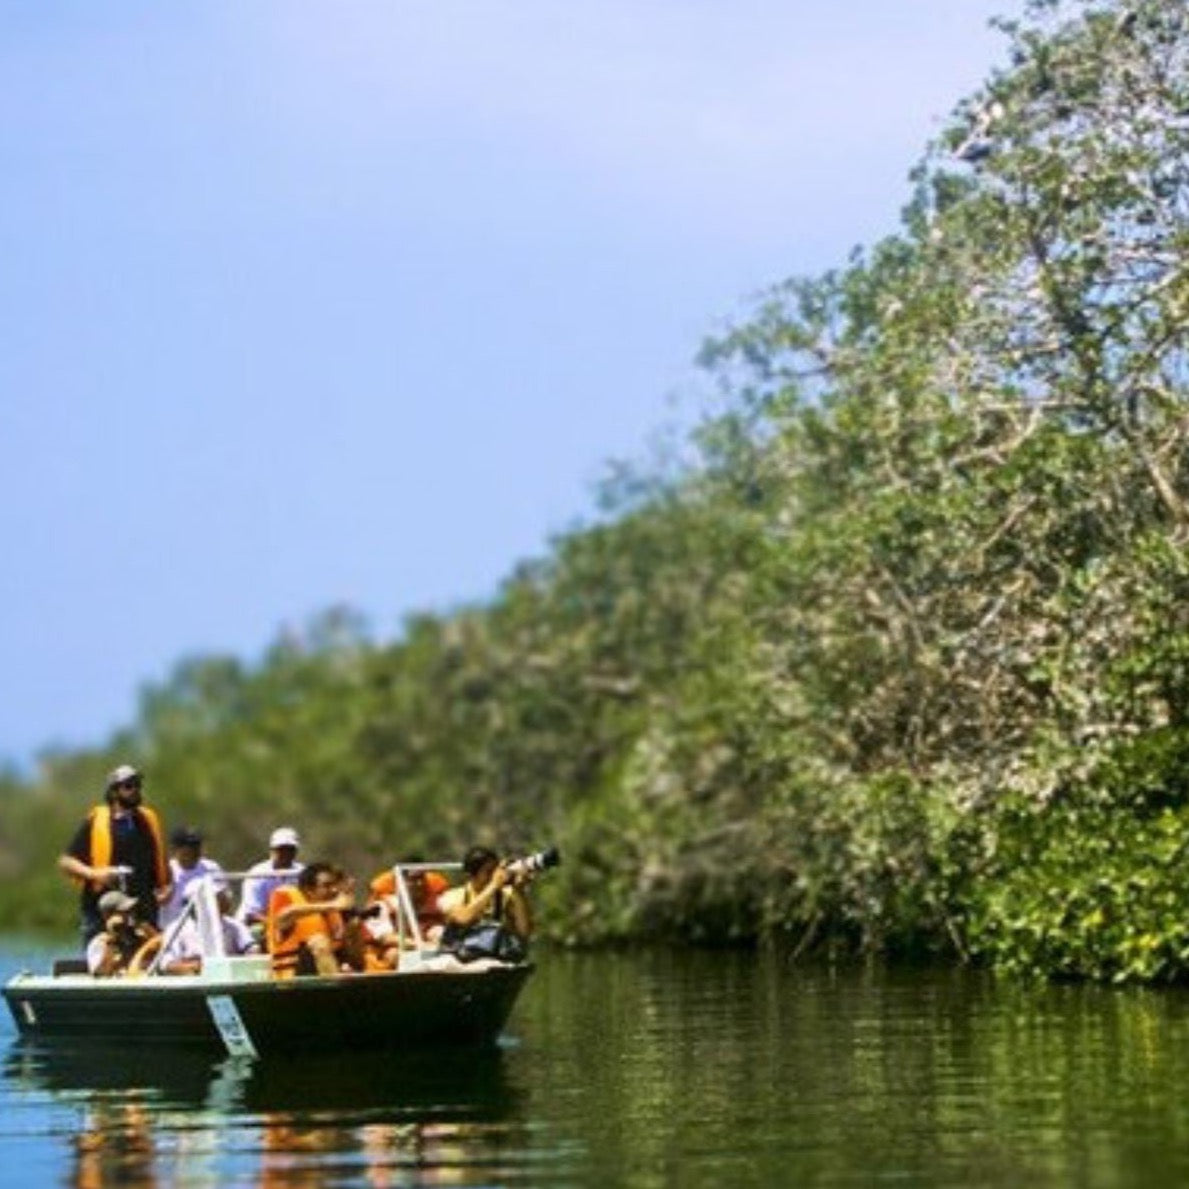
898	663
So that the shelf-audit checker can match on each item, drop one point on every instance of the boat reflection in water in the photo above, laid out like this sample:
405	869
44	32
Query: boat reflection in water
417	1119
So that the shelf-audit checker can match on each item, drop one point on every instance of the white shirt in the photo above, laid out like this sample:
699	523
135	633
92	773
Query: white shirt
96	948
259	883
187	943
182	877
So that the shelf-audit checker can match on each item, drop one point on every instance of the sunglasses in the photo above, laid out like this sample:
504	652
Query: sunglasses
129	784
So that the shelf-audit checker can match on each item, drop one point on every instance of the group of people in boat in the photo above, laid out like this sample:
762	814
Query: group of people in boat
305	916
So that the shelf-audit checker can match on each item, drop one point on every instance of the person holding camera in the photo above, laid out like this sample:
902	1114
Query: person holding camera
494	891
112	950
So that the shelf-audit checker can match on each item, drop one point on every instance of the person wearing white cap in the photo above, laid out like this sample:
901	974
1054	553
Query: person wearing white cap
280	868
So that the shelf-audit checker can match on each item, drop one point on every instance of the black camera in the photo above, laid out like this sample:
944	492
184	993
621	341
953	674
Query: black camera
534	864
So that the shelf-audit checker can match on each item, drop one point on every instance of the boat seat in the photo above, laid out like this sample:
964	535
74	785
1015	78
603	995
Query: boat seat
69	966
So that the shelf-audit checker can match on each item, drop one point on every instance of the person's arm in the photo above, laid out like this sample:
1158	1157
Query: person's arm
322	951
74	867
286	917
238	938
253	898
103	956
457	911
518	912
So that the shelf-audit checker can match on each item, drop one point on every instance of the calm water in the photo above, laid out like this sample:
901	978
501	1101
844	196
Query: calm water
653	1069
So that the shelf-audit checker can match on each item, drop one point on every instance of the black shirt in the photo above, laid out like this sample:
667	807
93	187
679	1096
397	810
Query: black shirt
131	846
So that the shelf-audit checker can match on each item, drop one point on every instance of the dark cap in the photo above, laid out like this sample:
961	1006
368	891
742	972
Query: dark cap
185	836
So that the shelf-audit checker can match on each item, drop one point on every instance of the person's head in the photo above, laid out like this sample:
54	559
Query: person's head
283	844
123	787
480	863
187	846
115	907
319	881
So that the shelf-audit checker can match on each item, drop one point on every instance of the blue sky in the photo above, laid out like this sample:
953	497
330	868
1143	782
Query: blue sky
310	303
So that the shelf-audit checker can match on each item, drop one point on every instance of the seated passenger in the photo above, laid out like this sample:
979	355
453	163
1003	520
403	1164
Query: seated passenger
383	912
184	953
491	893
186	864
280	869
111	951
307	933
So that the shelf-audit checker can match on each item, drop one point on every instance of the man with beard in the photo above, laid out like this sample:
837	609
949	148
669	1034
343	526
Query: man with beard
118	845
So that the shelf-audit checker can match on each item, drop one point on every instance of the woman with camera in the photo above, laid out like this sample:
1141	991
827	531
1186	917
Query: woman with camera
494	892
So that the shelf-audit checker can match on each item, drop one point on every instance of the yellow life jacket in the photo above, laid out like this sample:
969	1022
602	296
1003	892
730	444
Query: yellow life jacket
101	843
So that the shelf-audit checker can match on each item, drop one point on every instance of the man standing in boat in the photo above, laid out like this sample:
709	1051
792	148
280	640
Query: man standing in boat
118	845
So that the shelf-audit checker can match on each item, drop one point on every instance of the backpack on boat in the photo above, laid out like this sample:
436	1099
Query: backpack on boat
487	939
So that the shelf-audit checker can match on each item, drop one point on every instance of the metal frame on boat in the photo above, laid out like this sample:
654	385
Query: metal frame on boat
234	1004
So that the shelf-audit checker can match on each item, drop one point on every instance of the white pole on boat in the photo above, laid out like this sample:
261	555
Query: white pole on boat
406	911
169	937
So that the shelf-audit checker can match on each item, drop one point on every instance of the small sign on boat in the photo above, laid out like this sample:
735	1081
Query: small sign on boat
236	1038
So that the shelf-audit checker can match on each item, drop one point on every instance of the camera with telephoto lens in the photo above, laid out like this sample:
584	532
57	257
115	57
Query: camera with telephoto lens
534	864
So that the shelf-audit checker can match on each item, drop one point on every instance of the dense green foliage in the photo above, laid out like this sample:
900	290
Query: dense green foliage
901	662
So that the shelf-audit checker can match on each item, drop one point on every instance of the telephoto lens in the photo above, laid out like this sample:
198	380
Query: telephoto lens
535	863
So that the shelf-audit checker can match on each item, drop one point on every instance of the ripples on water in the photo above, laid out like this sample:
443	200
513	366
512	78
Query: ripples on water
653	1069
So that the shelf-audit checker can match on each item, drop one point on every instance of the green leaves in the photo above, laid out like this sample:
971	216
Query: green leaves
898	660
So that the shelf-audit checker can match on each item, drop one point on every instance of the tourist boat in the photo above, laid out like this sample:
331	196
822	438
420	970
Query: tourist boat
234	1005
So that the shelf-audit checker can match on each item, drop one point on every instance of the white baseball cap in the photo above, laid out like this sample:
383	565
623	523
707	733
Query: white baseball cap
284	836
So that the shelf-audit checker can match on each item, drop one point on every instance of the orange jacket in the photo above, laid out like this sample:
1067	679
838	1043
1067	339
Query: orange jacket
383	888
286	950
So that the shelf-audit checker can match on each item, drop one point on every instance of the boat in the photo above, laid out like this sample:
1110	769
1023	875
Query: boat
234	1005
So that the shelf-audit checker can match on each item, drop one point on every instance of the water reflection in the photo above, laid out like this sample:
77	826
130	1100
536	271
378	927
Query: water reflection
654	1069
140	1119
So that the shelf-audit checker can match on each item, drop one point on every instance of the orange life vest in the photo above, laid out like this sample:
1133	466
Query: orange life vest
101	843
383	890
286	951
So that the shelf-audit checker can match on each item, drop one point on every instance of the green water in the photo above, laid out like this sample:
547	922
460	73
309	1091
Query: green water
655	1069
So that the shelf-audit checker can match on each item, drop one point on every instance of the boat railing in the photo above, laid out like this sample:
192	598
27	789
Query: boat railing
408	924
201	906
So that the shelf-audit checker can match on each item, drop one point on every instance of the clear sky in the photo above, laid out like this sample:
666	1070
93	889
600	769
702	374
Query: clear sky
311	302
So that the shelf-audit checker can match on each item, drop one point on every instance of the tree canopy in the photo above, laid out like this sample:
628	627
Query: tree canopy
899	662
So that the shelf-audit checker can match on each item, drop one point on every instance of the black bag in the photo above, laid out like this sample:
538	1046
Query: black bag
487	939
